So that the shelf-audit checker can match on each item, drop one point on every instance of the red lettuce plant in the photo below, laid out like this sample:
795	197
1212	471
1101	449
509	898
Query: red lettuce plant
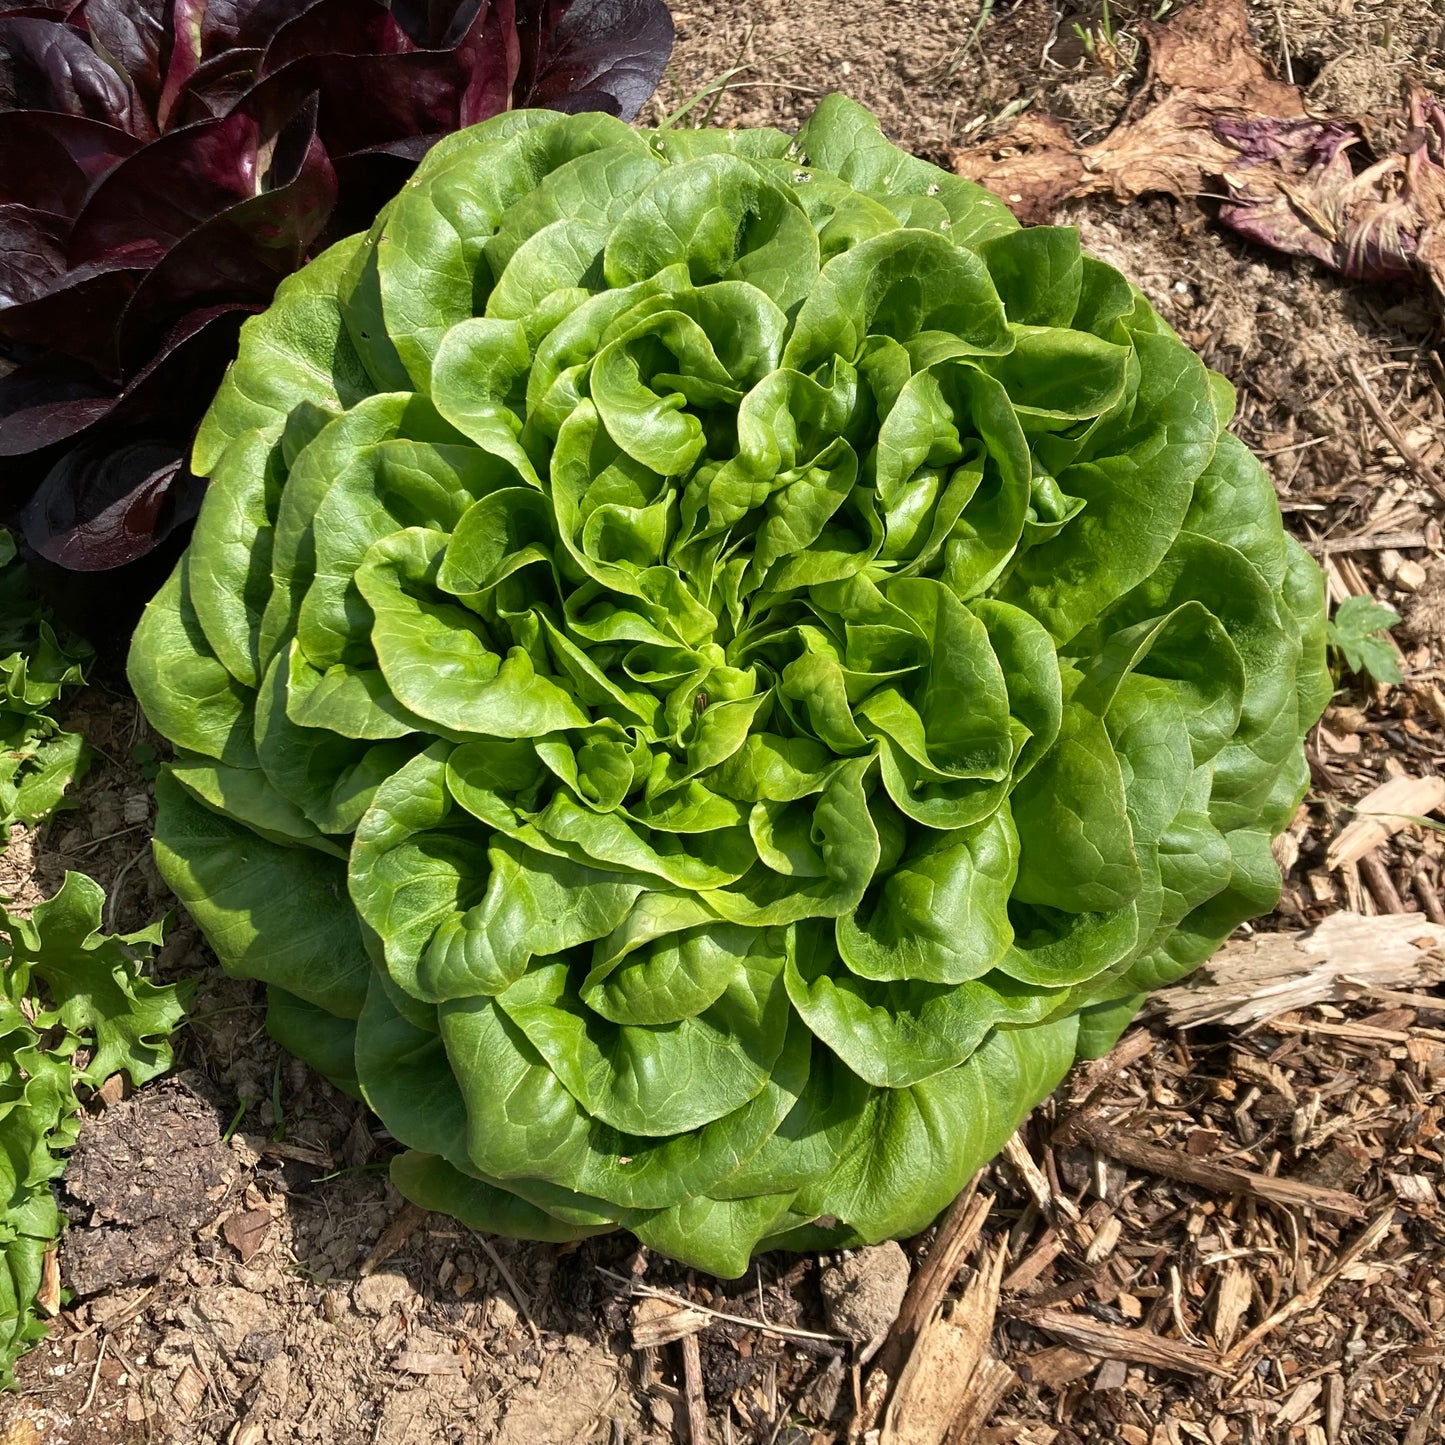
164	163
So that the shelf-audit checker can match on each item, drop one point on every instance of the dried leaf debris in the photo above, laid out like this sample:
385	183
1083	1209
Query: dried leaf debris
1213	120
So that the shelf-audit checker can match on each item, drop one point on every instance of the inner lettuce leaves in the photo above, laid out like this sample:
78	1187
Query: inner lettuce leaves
712	667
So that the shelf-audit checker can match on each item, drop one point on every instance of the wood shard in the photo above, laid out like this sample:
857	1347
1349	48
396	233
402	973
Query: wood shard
1260	978
952	1381
1114	1342
1231	1302
393	1237
1382	812
47	1298
1056	1367
692	1382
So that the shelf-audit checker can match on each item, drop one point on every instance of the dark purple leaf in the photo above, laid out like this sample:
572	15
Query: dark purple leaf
412	99
52	162
42	404
186	55
162	193
164	163
134	35
46	403
32	254
492	55
436	24
241	254
215	87
592	54
251	23
337	27
103	505
365	182
78	315
49	66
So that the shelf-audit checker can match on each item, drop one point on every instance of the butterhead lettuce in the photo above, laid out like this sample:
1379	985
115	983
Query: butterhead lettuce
713	666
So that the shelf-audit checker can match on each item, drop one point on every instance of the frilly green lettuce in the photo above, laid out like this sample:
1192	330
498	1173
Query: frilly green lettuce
713	666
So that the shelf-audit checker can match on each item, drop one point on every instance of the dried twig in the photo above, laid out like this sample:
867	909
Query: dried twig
1381	886
785	1331
1208	1173
95	1376
1368	542
518	1294
1412	459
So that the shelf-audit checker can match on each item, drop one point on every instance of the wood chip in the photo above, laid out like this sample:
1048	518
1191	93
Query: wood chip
1381	813
1258	979
247	1232
393	1237
1231	1302
1056	1367
1297	1406
188	1391
696	1400
655	1322
1412	1188
426	1362
47	1298
1113	1342
1050	1246
299	1154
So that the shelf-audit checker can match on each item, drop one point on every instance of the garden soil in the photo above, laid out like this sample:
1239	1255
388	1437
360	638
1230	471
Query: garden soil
243	1274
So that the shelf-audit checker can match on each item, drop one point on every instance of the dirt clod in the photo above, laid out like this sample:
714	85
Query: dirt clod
144	1177
863	1293
377	1293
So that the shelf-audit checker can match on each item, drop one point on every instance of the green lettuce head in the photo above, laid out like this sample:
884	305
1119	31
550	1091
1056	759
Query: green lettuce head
712	667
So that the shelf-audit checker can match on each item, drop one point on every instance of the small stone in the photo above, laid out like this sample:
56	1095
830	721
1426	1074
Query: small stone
377	1293
1409	576
863	1293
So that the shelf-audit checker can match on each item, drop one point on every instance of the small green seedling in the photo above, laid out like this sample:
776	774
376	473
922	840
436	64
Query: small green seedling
1360	636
